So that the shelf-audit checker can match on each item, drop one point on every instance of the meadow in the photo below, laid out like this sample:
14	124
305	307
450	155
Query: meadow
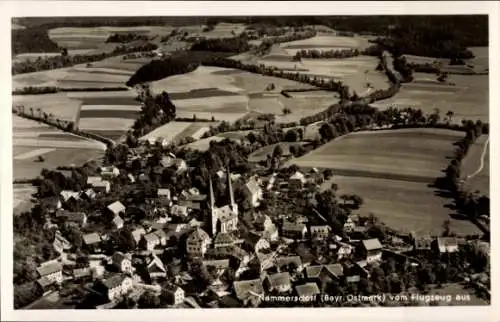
403	205
467	99
31	140
407	154
59	105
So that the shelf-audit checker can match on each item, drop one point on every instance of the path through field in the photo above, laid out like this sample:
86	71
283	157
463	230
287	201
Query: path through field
483	154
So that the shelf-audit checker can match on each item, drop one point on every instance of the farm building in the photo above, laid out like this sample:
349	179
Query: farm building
115	286
297	180
255	191
293	230
279	282
116	208
447	245
51	272
371	249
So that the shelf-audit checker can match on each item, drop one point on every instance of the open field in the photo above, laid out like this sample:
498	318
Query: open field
402	205
476	166
168	131
22	197
468	99
93	37
57	104
31	140
407	154
356	72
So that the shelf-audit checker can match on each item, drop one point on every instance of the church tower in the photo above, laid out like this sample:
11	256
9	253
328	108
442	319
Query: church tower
232	204
213	213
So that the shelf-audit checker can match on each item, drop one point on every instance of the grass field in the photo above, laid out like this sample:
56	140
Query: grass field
467	99
402	205
58	104
410	154
203	144
168	131
31	139
22	197
477	164
326	42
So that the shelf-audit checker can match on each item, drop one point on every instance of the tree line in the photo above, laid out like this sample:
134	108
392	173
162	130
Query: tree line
233	45
125	38
34	90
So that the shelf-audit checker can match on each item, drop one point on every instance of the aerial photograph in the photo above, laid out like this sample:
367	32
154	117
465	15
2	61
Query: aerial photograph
165	162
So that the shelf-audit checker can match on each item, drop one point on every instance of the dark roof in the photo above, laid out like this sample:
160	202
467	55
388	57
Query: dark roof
279	279
49	268
248	288
113	281
308	289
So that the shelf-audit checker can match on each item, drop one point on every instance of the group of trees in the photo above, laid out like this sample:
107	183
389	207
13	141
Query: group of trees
125	38
234	45
32	40
159	69
267	43
61	61
326	54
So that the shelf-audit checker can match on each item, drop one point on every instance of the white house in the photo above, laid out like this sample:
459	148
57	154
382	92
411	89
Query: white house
150	241
102	186
320	232
122	262
175	294
197	243
372	249
118	222
116	208
297	180
109	172
117	286
253	186
138	233
51	272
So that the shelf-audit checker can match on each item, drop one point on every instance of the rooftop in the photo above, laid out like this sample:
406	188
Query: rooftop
372	244
248	288
113	281
116	207
49	268
279	279
308	289
91	238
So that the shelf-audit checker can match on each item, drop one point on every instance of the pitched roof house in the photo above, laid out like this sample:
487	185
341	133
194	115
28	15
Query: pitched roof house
280	282
249	292
255	191
118	222
197	242
138	233
294	230
116	208
447	244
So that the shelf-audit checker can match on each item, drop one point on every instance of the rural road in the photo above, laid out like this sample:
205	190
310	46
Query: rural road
481	165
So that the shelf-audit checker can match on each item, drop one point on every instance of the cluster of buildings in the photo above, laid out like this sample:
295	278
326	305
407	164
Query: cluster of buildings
259	255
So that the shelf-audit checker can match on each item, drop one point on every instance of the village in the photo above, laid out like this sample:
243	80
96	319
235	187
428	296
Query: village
122	239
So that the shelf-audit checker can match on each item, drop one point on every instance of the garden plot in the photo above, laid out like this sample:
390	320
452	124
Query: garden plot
417	155
402	205
55	106
467	99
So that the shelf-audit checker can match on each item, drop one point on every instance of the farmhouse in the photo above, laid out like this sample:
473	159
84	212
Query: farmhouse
320	232
297	180
324	274
51	272
422	243
102	186
224	244
164	197
81	272
116	208
179	211
279	282
155	267
60	243
92	241
197	243
150	241
293	230
254	190
68	196
109	172
372	250
255	243
285	263
72	218
447	245
116	286
117	222
138	233
122	262
89	194
307	291
249	292
174	294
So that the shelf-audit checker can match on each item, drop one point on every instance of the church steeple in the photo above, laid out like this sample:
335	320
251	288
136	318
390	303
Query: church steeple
232	204
213	213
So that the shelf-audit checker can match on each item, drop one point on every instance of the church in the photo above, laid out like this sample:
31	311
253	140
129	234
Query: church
223	219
